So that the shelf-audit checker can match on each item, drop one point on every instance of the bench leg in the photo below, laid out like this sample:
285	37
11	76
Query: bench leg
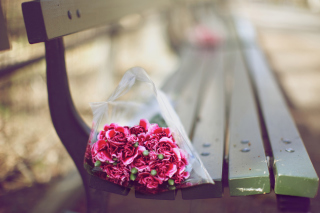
71	129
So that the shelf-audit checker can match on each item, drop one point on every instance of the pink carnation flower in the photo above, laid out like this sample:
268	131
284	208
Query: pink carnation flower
147	149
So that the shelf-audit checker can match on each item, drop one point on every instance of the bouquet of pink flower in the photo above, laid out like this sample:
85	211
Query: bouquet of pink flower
152	158
144	153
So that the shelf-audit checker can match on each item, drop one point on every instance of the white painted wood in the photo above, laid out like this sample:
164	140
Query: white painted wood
92	13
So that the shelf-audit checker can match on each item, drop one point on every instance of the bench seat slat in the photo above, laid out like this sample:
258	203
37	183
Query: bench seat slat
176	82
294	172
248	171
210	128
188	99
185	98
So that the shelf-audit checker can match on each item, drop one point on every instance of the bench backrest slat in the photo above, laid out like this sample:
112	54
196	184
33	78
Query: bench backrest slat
293	170
56	18
248	169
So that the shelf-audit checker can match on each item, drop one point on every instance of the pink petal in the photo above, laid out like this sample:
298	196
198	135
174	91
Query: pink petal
153	155
185	174
114	125
123	130
172	170
101	135
158	130
142	135
168	140
106	127
104	156
100	144
154	127
129	160
141	149
142	168
167	131
177	153
183	157
144	123
110	133
181	169
165	139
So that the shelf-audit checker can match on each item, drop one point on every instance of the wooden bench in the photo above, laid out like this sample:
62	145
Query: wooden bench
215	97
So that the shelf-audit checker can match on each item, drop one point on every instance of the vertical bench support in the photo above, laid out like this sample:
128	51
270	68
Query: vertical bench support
71	129
67	122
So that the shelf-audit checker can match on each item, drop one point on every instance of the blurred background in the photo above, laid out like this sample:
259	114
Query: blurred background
34	165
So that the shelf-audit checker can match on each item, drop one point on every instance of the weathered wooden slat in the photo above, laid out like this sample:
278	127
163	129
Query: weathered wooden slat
293	170
56	18
188	99
185	96
208	139
248	170
175	83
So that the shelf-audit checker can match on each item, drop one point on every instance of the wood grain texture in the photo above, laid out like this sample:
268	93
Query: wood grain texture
63	17
187	101
210	127
248	171
183	88
294	172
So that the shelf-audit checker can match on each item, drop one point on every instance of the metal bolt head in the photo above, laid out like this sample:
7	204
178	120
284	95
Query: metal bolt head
206	144
205	153
290	150
286	141
78	13
245	150
69	14
245	141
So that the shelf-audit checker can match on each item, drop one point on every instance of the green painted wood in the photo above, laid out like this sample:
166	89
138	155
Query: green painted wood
248	171
294	172
210	127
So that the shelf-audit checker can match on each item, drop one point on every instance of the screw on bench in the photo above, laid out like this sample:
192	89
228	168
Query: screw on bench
245	141
205	153
69	14
290	150
78	13
245	150
286	141
206	145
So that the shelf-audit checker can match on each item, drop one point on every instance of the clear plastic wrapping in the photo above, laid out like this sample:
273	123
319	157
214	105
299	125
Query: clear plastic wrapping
137	139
